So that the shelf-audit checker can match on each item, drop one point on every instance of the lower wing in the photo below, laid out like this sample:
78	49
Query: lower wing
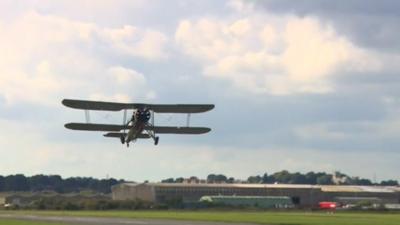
119	135
178	130
95	127
156	129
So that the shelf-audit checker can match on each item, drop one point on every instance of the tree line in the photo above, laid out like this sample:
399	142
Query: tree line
56	183
286	177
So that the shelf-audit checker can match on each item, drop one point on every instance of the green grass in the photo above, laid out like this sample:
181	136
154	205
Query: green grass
271	218
24	222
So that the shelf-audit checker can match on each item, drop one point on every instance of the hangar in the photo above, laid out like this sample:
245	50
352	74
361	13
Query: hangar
301	195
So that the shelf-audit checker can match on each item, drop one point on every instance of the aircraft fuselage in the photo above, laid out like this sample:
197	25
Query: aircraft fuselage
134	132
139	120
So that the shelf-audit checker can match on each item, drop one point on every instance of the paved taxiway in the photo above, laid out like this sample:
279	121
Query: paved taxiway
109	221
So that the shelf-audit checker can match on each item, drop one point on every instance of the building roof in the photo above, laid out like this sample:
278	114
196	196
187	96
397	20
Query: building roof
324	188
245	197
353	188
224	185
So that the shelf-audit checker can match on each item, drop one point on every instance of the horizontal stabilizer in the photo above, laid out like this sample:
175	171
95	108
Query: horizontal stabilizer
158	108
179	130
95	127
115	135
119	135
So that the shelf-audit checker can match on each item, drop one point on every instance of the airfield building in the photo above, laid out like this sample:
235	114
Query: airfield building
301	195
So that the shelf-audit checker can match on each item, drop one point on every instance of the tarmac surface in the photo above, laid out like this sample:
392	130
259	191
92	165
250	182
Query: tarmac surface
70	220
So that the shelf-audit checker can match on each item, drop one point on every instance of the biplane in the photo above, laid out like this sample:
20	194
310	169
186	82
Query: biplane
141	123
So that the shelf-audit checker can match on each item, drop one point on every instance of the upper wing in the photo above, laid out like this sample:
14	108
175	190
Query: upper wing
158	108
179	130
96	105
180	108
95	127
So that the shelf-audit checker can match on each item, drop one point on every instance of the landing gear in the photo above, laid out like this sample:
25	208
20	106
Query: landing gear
122	139
156	140
152	134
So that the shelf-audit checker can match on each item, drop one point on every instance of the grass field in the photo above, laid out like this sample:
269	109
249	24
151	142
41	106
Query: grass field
20	222
272	218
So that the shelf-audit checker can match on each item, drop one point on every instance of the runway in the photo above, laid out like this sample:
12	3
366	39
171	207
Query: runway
109	221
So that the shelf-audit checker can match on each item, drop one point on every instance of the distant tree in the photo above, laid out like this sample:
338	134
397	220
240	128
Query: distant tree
2	183
339	174
363	182
55	183
254	179
104	185
325	179
179	180
311	178
43	182
297	178
169	180
283	177
211	178
267	179
216	178
220	178
16	183
389	183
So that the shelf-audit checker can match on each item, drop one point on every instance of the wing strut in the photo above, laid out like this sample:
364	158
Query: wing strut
152	117
87	116
124	119
188	120
122	138
151	132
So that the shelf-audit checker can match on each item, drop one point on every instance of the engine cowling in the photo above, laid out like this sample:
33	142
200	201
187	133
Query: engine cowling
143	115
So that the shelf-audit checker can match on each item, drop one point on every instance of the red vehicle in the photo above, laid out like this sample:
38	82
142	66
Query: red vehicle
327	205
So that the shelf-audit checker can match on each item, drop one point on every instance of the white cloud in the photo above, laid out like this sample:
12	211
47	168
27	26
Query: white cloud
45	58
19	85
124	75
118	97
312	51
346	133
272	55
132	41
320	131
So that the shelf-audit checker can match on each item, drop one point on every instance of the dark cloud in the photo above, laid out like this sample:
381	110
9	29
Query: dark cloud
271	121
304	7
370	23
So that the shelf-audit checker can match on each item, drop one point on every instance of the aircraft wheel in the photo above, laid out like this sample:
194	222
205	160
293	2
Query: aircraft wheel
122	140
156	140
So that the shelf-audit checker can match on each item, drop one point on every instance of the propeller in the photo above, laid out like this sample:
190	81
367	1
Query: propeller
147	114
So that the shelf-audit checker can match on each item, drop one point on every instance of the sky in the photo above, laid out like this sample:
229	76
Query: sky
298	85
